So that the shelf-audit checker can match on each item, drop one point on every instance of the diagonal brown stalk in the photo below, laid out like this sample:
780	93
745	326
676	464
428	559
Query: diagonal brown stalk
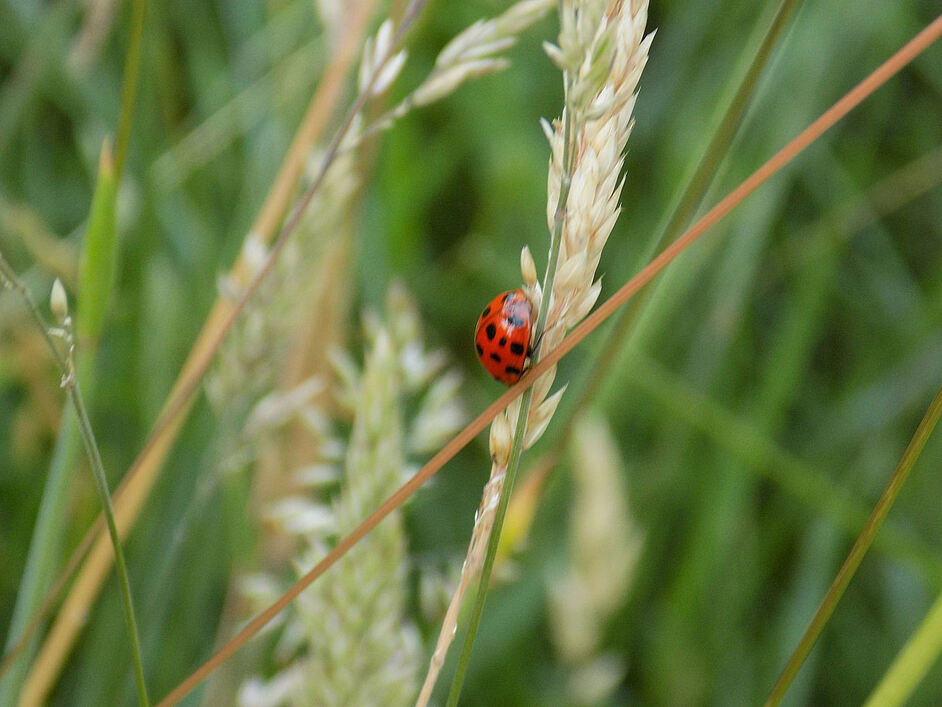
828	119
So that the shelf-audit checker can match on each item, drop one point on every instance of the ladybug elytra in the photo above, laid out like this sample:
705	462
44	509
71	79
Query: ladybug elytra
502	336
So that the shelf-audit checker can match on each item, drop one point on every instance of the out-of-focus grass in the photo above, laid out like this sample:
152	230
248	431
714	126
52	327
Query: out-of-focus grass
822	335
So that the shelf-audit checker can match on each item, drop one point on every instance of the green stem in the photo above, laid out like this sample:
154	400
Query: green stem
70	383
48	532
9	277
492	542
101	483
513	463
862	544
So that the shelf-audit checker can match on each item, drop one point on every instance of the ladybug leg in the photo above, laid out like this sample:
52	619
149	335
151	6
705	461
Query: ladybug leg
536	343
540	338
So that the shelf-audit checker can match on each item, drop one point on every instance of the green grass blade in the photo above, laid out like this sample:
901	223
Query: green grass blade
912	663
97	267
44	557
129	85
857	552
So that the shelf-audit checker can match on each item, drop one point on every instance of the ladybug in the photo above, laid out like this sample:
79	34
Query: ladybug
502	336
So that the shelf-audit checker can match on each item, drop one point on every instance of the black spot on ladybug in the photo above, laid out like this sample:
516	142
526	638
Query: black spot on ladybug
495	357
510	370
491	331
487	310
516	348
480	350
503	341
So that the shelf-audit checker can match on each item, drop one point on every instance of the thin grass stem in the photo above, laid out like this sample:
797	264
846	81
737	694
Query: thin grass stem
96	276
101	484
513	464
66	366
477	609
857	552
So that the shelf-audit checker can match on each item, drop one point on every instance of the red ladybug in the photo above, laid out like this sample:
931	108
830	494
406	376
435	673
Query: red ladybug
502	336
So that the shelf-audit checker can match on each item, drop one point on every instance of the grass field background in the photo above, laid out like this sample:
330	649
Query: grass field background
759	406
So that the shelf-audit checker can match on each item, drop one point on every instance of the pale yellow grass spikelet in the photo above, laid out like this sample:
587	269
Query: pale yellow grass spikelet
347	641
379	67
602	51
500	440
473	53
528	267
602	107
58	301
254	354
603	45
594	34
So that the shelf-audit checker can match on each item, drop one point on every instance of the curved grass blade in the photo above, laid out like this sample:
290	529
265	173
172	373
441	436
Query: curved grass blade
912	663
857	552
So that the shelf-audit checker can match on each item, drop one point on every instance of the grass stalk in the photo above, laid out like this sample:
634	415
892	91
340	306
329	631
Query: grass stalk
70	383
95	286
681	215
101	484
859	549
44	548
520	432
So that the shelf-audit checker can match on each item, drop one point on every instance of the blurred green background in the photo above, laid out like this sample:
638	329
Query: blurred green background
760	407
